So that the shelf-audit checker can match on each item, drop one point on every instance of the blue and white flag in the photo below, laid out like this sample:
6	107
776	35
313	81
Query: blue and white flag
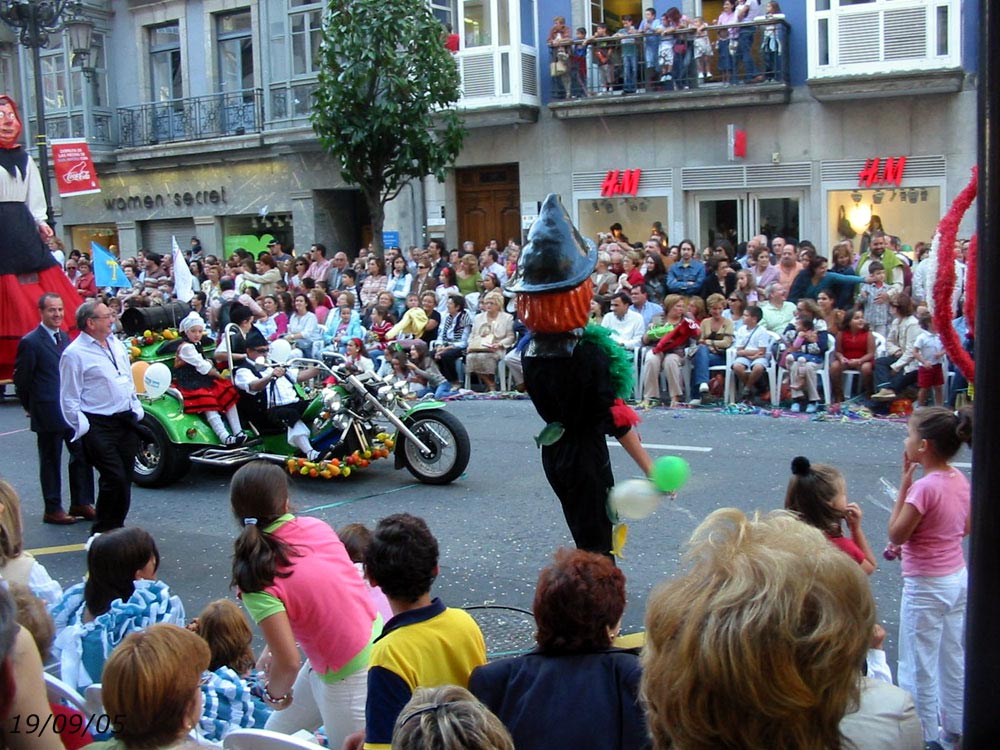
107	272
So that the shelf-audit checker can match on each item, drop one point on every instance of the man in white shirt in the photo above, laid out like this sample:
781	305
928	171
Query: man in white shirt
273	390
626	326
641	304
492	265
99	404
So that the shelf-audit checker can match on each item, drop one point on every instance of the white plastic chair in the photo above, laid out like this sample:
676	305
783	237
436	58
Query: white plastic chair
733	383
94	699
501	374
60	692
851	376
638	354
879	345
822	374
263	739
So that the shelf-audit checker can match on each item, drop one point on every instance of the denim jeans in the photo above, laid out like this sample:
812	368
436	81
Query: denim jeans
442	391
886	377
630	65
700	362
746	54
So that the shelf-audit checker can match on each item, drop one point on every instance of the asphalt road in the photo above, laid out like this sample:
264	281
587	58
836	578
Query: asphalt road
499	524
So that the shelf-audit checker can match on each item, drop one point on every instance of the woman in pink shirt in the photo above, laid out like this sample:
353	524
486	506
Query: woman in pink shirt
298	583
930	520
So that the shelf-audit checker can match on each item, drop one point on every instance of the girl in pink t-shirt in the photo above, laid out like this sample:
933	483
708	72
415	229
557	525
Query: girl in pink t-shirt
817	494
930	520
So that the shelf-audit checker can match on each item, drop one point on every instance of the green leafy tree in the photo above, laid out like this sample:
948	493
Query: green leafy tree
384	106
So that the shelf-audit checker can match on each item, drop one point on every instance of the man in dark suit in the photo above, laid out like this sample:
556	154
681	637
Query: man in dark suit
36	377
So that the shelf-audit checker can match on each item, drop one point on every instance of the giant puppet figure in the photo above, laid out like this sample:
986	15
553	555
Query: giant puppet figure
575	374
27	267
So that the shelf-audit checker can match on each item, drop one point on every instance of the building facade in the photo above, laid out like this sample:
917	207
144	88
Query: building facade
196	114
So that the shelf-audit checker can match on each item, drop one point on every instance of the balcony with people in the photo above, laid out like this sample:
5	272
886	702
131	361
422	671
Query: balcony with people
669	64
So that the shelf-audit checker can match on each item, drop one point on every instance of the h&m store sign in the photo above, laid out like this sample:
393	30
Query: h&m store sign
882	171
621	182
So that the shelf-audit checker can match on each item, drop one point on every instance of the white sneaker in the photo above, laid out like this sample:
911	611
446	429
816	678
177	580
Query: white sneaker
796	407
703	388
694	402
811	408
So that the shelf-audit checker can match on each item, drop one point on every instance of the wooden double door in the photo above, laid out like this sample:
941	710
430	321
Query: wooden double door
489	204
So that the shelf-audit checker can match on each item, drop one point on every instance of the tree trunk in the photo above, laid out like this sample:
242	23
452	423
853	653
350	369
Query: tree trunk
376	212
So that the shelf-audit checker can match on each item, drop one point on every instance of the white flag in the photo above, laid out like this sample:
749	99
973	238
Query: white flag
183	280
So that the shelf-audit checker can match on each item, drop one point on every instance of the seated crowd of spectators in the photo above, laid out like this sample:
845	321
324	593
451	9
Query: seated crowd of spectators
767	638
784	303
862	315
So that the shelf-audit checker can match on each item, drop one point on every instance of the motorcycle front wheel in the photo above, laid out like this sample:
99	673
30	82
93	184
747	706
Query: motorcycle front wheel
448	442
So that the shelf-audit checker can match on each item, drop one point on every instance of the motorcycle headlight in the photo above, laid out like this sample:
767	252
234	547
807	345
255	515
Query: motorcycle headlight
384	392
333	401
400	385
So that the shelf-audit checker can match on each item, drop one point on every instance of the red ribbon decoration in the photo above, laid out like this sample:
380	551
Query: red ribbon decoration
944	284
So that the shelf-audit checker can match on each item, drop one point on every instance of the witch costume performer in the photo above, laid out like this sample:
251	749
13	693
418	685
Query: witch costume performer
576	375
27	268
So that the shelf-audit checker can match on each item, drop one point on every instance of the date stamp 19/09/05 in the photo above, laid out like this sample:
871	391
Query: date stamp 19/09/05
77	723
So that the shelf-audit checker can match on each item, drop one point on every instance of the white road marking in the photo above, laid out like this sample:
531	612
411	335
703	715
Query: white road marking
962	465
664	447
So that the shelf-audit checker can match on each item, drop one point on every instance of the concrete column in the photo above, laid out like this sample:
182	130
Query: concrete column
303	220
128	239
208	229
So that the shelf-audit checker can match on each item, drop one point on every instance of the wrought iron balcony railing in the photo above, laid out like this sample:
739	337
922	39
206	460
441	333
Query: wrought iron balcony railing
195	118
712	58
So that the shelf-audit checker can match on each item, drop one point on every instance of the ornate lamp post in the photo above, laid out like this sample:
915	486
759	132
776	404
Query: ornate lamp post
33	22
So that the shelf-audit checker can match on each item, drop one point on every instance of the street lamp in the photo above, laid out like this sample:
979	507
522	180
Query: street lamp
33	22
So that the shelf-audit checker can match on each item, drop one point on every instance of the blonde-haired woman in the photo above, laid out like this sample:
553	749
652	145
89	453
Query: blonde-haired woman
782	668
492	334
17	565
467	274
448	718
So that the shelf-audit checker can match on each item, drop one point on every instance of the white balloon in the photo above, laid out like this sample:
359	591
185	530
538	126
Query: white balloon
156	379
634	498
281	350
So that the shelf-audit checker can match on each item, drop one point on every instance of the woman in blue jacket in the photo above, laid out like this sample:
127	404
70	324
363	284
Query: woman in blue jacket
816	277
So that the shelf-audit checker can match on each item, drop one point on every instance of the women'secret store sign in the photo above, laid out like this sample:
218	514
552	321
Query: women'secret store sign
75	173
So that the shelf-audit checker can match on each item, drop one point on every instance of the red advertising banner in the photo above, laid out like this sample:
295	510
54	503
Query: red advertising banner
75	173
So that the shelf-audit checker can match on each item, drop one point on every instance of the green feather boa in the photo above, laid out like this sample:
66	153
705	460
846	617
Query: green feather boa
622	368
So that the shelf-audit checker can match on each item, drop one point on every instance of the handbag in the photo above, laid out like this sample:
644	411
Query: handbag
558	68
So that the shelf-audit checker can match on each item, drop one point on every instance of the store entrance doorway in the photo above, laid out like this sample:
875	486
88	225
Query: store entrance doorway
489	204
739	217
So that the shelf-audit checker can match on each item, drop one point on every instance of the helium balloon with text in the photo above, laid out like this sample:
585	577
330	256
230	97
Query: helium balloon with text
670	473
156	379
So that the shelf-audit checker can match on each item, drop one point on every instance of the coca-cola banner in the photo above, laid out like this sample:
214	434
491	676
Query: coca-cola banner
75	173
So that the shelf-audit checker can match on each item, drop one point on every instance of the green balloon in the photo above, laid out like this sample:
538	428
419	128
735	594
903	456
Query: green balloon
670	473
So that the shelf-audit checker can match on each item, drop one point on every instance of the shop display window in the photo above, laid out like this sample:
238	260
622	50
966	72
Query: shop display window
910	213
636	215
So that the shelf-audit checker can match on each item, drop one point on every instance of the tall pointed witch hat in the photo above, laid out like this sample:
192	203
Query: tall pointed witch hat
556	257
